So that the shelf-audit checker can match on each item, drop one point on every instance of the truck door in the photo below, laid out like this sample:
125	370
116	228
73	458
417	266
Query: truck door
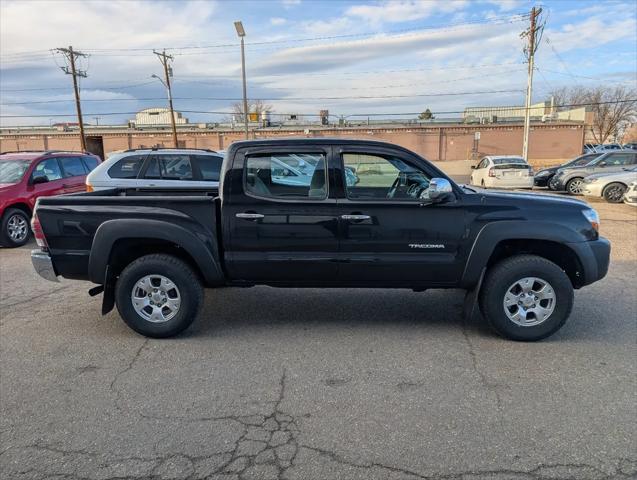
279	220
390	234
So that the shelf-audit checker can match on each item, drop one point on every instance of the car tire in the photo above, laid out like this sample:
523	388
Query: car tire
574	186
614	192
482	184
505	306
166	282
15	228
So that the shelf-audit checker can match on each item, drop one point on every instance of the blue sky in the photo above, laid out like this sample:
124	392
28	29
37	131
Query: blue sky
350	57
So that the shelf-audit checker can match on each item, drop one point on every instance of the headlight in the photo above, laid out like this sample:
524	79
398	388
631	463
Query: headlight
543	173
592	216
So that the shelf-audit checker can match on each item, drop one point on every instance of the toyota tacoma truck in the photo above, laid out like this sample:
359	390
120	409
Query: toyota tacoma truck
363	214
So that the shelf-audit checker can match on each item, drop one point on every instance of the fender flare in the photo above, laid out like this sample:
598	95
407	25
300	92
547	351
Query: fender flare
492	234
111	231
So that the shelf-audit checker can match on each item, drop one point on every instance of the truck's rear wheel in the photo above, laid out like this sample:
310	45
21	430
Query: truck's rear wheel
158	295
526	297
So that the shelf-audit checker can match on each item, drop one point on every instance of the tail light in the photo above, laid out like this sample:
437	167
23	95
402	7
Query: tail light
89	187
38	233
531	172
492	172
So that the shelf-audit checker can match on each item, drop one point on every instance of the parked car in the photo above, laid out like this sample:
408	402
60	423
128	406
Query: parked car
630	197
404	224
158	168
572	179
544	176
25	176
610	186
503	171
630	146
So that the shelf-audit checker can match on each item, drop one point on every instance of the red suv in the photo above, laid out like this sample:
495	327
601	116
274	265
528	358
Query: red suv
25	176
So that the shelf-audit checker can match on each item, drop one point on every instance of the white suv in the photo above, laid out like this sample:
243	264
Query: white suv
158	168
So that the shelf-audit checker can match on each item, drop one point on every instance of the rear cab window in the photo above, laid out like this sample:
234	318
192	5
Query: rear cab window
286	176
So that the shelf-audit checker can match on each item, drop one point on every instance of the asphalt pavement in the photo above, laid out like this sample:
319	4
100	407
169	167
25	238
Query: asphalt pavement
318	384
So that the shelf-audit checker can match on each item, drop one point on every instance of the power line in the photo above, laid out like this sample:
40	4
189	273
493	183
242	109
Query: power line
72	55
356	97
386	114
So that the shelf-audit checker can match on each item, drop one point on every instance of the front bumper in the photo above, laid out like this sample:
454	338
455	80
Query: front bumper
592	189
556	184
43	265
542	181
594	257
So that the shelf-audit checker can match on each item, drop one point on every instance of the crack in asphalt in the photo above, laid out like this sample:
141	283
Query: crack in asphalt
489	386
269	448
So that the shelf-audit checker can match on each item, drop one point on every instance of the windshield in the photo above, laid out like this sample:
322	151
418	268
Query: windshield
583	160
11	171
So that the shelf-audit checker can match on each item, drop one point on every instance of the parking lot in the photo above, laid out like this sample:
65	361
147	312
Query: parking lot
318	384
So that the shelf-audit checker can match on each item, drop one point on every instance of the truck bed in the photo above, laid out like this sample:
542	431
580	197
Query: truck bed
70	222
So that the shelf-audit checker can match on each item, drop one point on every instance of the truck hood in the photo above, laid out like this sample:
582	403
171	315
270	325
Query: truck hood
535	198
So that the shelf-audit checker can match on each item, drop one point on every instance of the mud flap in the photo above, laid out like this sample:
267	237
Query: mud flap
108	300
471	298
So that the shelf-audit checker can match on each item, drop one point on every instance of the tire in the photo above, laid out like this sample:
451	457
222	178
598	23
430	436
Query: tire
180	301
614	192
15	228
548	183
574	186
497	289
482	184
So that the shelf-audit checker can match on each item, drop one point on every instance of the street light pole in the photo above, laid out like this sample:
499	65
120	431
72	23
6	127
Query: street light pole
241	32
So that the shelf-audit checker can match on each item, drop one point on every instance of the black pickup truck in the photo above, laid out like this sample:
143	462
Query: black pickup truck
324	213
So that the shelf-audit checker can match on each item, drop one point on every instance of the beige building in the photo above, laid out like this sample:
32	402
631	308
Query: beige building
157	116
505	113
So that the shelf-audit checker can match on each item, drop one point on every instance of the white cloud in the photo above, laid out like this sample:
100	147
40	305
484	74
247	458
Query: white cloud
276	21
592	32
327	27
402	10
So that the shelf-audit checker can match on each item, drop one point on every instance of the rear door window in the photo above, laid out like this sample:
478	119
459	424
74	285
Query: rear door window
169	167
127	167
73	166
209	166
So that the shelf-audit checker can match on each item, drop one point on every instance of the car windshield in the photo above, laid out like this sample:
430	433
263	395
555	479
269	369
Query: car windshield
12	171
508	161
581	161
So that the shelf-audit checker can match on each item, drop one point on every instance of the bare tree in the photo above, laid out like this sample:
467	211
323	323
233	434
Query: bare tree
613	107
426	115
254	106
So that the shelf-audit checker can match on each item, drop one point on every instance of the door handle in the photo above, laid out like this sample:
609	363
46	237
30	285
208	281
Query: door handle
355	217
249	216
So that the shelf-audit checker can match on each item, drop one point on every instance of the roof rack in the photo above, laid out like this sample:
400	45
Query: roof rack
46	152
170	148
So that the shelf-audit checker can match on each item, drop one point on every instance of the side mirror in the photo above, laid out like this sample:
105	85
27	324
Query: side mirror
439	190
473	167
39	179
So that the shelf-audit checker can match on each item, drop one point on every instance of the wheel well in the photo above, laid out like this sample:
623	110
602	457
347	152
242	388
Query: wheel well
128	250
557	253
20	206
614	183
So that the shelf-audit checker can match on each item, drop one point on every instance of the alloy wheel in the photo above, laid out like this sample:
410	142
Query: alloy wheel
529	301
156	298
17	227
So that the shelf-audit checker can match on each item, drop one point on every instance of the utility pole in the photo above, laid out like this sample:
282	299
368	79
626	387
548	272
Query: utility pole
164	59
529	51
71	55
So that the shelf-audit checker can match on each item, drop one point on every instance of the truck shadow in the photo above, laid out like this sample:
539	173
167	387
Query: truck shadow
229	310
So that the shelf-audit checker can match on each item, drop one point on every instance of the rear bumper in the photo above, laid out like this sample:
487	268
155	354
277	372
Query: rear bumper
43	265
594	257
509	182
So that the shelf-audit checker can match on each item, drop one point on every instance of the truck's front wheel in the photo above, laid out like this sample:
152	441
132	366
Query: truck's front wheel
526	297
158	295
